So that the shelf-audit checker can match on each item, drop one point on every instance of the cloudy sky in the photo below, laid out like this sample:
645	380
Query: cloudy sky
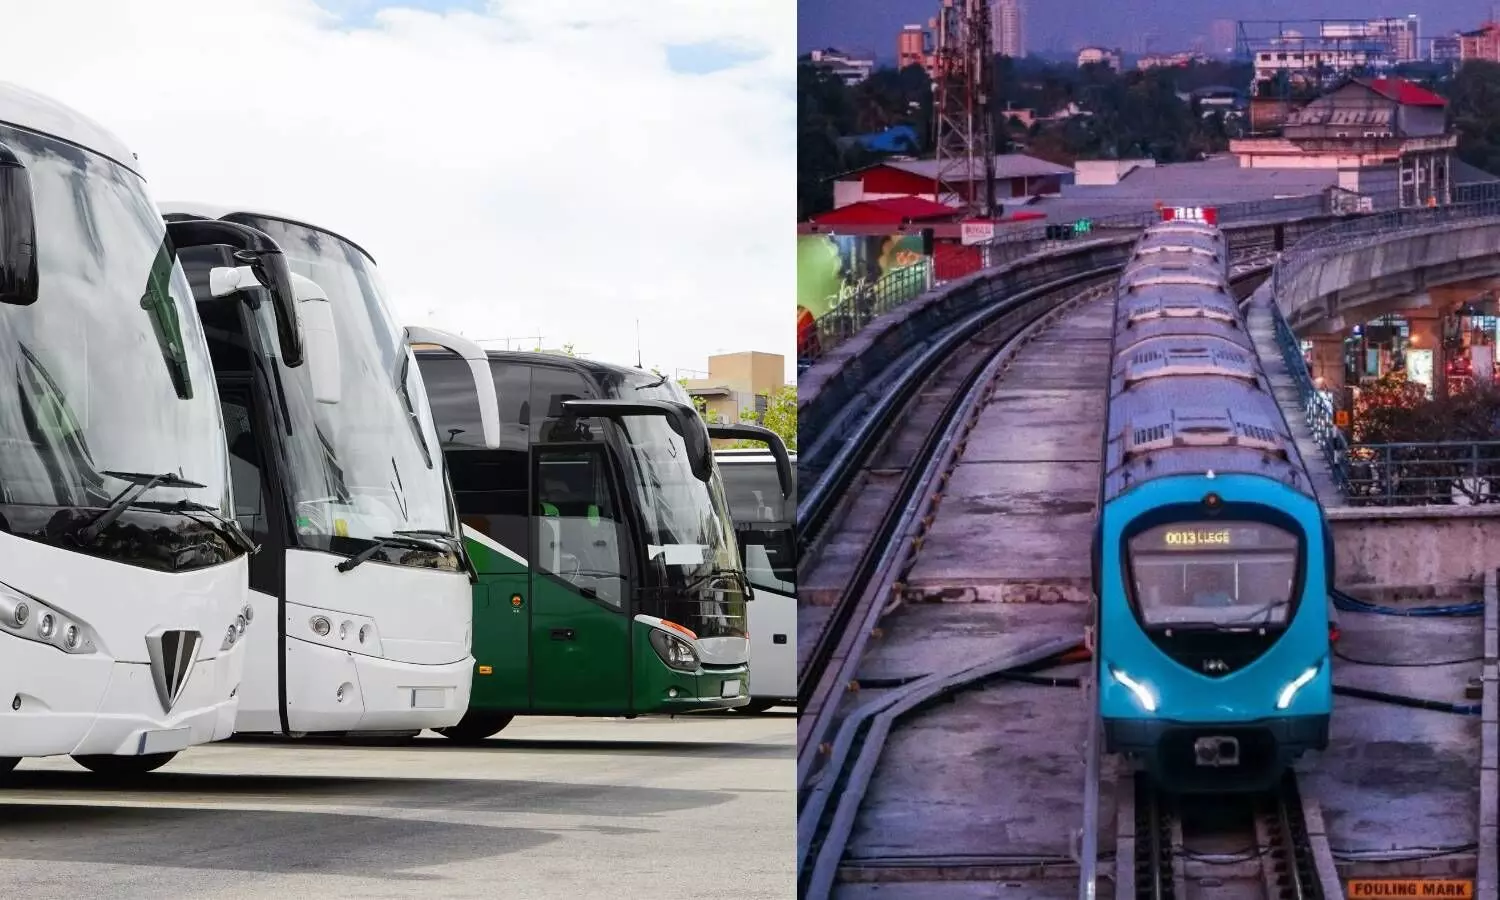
516	167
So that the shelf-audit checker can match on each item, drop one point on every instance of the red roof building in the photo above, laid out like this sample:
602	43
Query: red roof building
1016	176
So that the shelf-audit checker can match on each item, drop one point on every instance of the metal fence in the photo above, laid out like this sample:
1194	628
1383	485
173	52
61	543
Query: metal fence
859	304
1461	473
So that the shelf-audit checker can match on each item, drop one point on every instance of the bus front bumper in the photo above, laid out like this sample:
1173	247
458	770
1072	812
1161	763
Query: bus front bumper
331	690
86	705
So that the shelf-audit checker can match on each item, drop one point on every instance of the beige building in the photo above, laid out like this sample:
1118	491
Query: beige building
738	382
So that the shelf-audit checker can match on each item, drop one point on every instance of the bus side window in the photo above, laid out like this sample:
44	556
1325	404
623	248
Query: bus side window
578	531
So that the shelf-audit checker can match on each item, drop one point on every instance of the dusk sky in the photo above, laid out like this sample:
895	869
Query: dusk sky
871	26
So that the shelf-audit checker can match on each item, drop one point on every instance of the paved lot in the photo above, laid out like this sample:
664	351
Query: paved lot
698	807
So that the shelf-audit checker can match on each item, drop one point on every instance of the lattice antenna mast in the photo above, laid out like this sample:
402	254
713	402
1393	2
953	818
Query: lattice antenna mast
963	71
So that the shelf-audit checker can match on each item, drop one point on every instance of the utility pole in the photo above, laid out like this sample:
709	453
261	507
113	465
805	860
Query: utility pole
963	75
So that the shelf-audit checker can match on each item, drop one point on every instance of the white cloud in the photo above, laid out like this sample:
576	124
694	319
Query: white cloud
514	166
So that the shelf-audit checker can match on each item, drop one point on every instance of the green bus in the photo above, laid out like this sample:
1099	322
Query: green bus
609	579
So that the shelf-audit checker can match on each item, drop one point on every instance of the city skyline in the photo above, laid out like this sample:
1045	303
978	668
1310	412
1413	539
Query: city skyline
872	26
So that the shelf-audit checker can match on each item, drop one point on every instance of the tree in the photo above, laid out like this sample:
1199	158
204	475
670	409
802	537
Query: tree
781	416
1475	109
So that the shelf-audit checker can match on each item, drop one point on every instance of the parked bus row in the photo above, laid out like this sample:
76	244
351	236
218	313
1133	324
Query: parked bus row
237	496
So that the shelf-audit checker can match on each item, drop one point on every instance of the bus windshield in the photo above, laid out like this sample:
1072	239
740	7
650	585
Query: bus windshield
762	521
110	381
690	544
370	465
1220	573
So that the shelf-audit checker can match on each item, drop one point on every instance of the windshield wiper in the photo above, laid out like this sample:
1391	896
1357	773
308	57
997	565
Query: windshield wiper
1267	609
455	544
141	483
409	540
230	529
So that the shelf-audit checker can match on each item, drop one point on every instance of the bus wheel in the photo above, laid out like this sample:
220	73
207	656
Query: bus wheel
106	764
756	707
475	727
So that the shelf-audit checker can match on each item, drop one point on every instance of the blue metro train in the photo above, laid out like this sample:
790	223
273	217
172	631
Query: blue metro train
1212	560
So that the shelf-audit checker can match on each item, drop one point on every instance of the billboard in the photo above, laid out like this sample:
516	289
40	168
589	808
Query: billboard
834	267
1209	214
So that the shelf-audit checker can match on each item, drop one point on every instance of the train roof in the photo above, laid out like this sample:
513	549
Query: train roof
1145	330
215	211
1172	355
26	109
1187	390
1183	268
1175	301
1178	241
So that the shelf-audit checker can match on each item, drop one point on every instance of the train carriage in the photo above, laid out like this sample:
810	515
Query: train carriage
1211	557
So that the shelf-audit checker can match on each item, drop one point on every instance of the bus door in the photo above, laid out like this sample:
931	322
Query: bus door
580	601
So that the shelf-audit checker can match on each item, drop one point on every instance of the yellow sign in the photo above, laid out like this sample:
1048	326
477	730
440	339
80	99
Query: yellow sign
1197	538
1341	418
1410	887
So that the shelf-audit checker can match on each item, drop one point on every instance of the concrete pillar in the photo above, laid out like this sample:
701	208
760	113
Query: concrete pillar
1327	367
1425	326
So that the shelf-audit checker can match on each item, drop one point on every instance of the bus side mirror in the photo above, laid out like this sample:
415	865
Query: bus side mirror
267	267
743	432
316	314
18	276
479	368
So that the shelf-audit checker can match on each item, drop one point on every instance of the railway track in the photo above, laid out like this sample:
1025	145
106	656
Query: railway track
945	686
1235	847
862	525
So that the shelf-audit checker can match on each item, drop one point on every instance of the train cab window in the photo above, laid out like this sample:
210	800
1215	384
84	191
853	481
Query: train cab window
577	527
1224	573
244	468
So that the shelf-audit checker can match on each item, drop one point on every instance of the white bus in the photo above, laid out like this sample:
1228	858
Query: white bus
339	474
762	499
123	600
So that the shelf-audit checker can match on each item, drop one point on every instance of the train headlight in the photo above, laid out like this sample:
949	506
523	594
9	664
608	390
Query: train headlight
1143	694
1288	693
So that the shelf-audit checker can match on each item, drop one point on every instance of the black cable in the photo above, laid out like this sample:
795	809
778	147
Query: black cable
1399	700
1406	665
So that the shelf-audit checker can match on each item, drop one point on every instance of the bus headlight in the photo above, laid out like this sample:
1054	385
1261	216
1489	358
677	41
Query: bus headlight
26	617
675	652
1288	693
1143	693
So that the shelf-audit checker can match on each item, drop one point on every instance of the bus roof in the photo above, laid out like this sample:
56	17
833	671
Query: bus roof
215	211
588	367
31	111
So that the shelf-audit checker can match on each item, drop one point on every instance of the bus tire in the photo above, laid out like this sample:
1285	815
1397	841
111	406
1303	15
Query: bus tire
475	727
107	764
756	707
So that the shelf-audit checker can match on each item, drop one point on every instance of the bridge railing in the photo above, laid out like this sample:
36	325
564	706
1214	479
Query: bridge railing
858	305
1446	472
1316	406
1456	473
1473	202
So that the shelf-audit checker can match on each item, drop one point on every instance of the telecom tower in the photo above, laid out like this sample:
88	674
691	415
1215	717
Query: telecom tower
963	73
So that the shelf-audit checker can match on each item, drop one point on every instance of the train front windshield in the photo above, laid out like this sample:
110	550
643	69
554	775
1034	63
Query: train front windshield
762	522
370	465
1224	573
